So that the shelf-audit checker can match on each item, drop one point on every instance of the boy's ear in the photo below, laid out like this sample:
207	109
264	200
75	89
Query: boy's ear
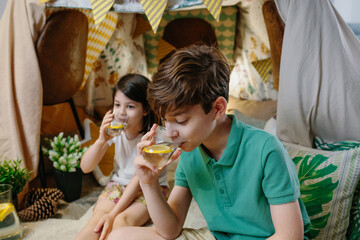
219	105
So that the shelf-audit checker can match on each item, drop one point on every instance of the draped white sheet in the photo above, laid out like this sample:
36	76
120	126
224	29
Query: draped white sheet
20	81
319	90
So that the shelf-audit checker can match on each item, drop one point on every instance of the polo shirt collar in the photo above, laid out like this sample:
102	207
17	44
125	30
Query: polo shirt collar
229	155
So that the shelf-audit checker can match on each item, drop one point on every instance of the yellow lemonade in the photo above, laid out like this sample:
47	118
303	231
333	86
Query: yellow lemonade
10	228
158	154
115	129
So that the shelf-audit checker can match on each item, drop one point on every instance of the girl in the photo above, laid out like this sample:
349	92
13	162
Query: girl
121	203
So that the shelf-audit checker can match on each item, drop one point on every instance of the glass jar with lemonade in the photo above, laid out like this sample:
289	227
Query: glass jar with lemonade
116	126
160	153
10	228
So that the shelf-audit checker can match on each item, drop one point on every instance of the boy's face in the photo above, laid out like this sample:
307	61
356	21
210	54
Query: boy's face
190	126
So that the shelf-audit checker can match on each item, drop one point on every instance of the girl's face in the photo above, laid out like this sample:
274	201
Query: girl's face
134	111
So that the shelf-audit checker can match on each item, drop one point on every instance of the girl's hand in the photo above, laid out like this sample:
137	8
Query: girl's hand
105	226
103	136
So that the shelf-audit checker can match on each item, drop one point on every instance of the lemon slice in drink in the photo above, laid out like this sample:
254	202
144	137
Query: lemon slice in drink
117	126
158	149
5	209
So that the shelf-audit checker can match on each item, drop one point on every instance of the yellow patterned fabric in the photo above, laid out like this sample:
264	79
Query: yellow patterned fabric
214	7
100	8
97	37
154	11
263	67
164	48
251	54
142	25
122	54
224	31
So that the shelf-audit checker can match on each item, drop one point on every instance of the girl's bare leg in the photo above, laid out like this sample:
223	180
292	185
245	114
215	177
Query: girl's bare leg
135	215
102	207
134	233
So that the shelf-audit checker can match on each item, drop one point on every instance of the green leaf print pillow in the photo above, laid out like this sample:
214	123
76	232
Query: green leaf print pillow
327	183
353	232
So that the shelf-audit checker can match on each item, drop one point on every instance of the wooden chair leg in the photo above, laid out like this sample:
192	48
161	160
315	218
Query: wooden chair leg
77	119
41	173
275	28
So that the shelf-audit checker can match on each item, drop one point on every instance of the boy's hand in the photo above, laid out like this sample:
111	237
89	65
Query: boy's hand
103	136
146	172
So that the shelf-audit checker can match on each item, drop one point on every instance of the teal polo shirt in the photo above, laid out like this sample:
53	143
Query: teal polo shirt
234	193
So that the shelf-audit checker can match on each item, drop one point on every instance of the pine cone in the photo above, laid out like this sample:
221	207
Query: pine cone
41	209
36	194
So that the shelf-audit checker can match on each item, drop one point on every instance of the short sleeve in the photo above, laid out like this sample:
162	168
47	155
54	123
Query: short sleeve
280	182
180	177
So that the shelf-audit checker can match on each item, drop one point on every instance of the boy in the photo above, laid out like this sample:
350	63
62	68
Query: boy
241	177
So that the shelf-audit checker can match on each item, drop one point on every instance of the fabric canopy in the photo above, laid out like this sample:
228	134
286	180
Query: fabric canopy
319	91
20	81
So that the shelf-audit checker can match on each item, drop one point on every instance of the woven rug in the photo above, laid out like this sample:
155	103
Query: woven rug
72	217
69	218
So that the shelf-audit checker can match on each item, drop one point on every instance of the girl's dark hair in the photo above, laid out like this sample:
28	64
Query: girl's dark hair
134	86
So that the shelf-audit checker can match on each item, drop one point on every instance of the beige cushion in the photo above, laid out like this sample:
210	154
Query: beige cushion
328	180
257	109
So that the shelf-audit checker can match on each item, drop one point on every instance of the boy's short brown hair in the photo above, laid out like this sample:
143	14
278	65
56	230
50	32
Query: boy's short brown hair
197	74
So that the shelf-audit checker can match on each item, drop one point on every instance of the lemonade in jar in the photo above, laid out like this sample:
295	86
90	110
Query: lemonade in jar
117	125
10	228
159	153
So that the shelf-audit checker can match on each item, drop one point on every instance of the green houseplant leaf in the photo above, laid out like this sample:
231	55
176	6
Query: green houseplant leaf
12	173
318	191
65	152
